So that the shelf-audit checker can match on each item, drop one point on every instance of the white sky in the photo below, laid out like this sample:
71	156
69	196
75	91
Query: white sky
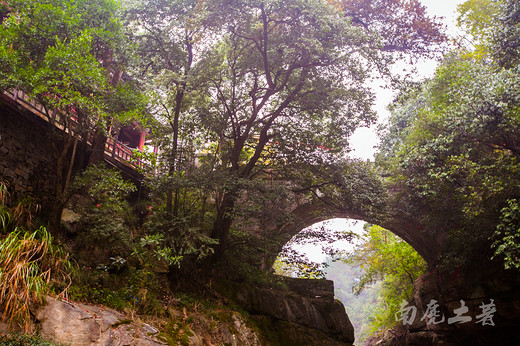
314	251
364	140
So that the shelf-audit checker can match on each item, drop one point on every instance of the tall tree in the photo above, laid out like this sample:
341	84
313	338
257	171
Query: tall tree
171	37
288	75
286	83
268	83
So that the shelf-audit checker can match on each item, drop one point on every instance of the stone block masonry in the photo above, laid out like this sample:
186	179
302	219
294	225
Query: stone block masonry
26	155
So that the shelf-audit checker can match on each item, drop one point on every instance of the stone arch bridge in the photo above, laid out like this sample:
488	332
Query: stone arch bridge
307	213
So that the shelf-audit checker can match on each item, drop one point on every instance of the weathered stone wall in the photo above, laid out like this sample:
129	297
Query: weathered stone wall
26	160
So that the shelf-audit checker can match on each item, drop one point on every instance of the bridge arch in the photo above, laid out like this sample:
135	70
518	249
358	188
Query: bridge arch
307	214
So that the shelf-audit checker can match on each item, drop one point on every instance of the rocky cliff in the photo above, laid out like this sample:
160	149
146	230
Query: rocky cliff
302	312
79	324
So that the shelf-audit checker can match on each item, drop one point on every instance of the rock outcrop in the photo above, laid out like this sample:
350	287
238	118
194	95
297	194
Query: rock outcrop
305	312
82	324
78	324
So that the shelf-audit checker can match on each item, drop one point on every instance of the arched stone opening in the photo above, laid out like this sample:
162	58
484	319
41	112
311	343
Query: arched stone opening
343	271
307	214
319	269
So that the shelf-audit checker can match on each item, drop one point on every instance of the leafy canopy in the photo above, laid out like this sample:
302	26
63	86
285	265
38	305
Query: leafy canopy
387	258
66	55
452	146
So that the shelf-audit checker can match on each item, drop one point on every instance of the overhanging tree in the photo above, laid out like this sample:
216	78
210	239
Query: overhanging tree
285	74
284	83
400	26
452	146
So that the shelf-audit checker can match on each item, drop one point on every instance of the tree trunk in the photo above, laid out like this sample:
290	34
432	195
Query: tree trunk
62	178
98	148
223	222
172	193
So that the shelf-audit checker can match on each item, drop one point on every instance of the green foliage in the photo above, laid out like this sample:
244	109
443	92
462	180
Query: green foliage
103	209
131	287
103	184
31	264
293	262
387	258
69	57
182	240
451	147
507	236
177	333
150	251
255	93
477	17
20	213
136	282
5	215
345	184
505	39
25	340
321	107
52	50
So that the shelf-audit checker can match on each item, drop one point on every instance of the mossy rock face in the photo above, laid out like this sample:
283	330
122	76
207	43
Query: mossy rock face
179	333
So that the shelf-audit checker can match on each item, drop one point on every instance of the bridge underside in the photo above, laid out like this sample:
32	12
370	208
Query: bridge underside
308	214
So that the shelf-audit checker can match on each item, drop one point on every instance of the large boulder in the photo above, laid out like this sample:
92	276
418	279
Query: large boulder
82	324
